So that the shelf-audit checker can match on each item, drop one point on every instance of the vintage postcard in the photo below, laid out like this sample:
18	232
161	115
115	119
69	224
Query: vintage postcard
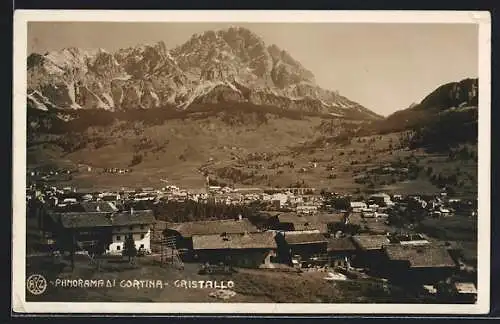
243	162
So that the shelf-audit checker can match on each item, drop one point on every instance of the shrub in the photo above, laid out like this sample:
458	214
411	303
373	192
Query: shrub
136	159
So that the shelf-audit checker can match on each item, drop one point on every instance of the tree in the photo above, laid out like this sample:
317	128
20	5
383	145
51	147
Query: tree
129	248
66	241
101	245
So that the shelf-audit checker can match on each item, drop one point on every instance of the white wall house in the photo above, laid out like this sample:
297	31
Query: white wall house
306	209
358	206
89	226
283	199
140	233
382	198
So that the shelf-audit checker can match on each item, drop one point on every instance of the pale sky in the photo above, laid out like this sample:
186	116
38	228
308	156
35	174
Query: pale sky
384	67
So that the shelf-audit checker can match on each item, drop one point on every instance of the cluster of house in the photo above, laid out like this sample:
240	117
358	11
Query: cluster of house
378	205
278	199
307	236
307	242
48	175
116	170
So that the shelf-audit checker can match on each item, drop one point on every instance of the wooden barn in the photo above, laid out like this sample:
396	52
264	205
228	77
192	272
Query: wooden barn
246	250
291	221
184	232
303	245
370	252
419	264
341	251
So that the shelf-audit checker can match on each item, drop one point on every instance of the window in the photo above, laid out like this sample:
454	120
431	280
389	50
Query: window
118	238
142	236
142	246
142	226
131	228
118	248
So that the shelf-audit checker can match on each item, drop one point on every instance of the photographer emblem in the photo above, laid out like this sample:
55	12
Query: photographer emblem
36	284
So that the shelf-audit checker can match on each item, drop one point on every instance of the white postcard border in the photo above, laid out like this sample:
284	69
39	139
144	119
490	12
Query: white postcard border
21	17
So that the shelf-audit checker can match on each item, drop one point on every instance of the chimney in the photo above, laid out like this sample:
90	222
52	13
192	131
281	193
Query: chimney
98	208
240	217
131	210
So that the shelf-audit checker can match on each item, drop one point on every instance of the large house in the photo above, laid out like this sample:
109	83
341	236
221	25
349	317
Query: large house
88	228
423	263
184	232
370	251
340	251
250	250
301	246
322	222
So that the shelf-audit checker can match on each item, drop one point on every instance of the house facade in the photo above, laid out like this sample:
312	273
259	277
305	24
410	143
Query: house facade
184	232
246	250
111	229
141	234
370	252
418	264
341	250
301	246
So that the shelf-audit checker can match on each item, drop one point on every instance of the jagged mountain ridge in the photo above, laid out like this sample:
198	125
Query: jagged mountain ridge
231	65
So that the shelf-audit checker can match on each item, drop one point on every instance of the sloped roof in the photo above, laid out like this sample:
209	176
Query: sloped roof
98	206
229	226
341	244
261	240
310	222
370	242
102	219
420	256
304	237
327	218
465	288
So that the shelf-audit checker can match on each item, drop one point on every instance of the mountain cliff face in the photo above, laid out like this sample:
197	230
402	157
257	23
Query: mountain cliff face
232	65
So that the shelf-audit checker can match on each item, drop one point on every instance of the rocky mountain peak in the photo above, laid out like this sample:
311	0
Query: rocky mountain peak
232	64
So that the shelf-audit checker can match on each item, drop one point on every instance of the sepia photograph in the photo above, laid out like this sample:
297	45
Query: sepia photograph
251	162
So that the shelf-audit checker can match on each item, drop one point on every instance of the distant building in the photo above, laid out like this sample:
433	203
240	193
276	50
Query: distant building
306	209
281	198
109	196
98	206
358	206
381	199
409	239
